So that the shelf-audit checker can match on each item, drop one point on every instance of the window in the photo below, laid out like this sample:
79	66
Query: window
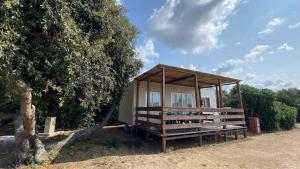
154	99
181	100
206	102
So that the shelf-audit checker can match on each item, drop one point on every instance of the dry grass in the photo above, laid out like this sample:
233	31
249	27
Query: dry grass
115	149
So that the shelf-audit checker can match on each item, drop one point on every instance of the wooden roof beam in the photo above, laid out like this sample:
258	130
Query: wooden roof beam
147	76
179	79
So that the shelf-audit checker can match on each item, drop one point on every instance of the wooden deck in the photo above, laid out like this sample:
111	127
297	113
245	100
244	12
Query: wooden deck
171	123
179	123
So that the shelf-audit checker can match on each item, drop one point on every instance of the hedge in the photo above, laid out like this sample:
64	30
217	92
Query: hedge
286	115
262	103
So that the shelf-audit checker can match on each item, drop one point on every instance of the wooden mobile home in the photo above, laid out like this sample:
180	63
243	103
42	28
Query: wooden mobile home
175	103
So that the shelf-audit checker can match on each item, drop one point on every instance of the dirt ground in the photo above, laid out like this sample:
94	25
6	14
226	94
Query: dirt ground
115	149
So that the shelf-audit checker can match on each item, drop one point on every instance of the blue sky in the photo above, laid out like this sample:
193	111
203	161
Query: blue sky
255	41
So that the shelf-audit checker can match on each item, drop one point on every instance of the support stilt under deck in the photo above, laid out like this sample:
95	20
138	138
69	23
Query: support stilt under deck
245	133
200	141
163	144
236	135
225	136
216	138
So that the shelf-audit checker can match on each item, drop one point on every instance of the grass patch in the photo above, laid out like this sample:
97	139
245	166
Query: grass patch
53	154
29	158
169	149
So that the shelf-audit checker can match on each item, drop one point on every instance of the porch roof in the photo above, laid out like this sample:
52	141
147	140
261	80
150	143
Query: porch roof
184	77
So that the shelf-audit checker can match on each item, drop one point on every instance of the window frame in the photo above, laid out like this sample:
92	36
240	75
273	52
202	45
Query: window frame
151	99
184	97
204	99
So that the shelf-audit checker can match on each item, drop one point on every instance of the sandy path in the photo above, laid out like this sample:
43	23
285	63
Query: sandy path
276	150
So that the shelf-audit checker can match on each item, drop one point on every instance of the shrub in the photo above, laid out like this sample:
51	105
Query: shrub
290	97
286	115
274	115
263	106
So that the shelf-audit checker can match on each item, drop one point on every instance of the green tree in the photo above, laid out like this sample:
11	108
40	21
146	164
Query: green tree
290	97
69	58
249	96
262	103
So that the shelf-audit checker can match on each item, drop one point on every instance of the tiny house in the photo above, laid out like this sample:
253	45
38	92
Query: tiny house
176	96
174	103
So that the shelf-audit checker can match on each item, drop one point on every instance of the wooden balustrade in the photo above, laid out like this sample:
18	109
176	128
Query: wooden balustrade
190	118
202	109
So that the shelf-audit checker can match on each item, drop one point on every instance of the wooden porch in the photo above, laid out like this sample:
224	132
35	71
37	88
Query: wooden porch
170	123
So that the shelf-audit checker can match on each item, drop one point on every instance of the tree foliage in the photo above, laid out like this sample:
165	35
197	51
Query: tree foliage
290	97
77	56
265	104
286	115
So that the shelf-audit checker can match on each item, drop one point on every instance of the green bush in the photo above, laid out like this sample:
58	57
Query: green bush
290	97
286	115
274	115
263	106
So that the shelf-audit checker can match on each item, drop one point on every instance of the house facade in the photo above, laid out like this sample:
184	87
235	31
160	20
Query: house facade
176	96
175	103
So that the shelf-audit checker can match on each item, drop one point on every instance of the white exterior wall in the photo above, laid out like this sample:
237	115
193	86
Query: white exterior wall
128	101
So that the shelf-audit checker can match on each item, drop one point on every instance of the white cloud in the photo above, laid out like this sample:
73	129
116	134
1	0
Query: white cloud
197	68
275	22
250	77
271	24
234	65
146	52
296	25
238	43
190	26
192	67
273	82
285	47
266	31
257	51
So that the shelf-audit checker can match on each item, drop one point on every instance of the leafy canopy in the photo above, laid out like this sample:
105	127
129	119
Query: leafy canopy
77	56
276	110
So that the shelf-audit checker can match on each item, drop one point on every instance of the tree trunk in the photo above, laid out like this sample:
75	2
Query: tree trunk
26	135
84	134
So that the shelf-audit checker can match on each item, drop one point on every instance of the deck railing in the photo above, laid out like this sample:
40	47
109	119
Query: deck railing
187	118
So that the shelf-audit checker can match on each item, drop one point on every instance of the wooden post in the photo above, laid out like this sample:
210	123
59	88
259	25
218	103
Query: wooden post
197	92
216	137
148	105
163	90
245	133
200	97
240	102
225	136
239	95
217	97
200	140
197	97
220	94
163	83
163	144
137	104
221	100
50	125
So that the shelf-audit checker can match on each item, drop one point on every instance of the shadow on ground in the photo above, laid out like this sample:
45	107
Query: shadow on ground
117	142
6	155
